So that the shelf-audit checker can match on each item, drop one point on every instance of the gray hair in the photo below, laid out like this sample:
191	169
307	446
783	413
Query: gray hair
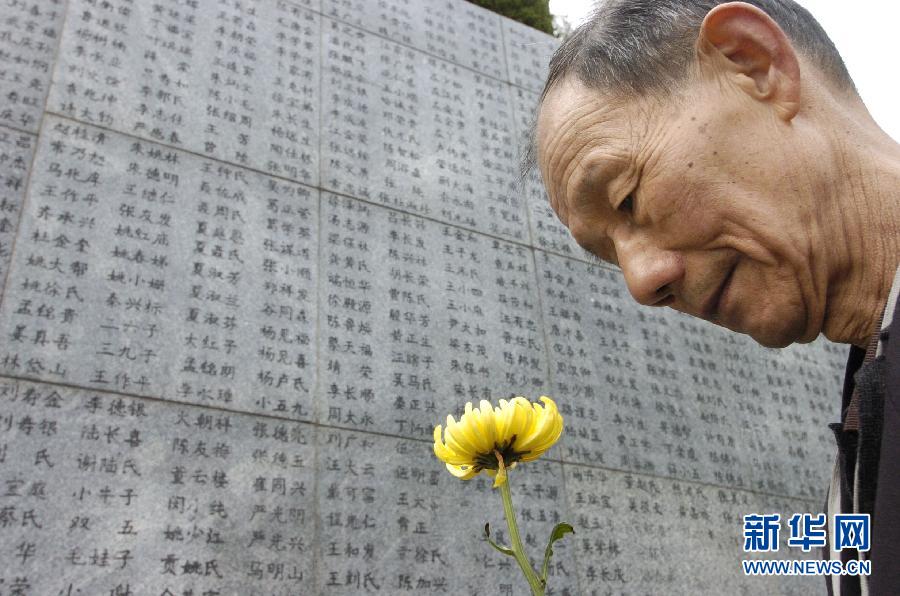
643	46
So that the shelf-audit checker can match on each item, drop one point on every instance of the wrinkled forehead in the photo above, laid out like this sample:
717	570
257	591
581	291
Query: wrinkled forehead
575	122
562	103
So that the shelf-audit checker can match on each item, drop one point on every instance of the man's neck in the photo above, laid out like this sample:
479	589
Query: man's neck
864	244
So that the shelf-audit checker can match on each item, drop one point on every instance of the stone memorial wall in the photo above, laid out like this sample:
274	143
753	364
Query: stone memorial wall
252	251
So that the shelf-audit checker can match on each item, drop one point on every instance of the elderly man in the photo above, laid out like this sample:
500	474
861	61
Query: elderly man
719	154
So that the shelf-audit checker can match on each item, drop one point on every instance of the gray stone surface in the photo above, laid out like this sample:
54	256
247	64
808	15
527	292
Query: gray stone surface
148	270
419	134
547	232
265	246
458	32
237	81
393	523
111	494
29	37
16	150
417	315
658	392
658	521
527	53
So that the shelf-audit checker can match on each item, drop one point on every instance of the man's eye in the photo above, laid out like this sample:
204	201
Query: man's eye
627	205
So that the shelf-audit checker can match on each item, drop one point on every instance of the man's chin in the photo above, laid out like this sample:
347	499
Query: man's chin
772	342
772	334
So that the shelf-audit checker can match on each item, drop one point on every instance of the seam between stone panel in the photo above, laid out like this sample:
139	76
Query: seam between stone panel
317	522
762	493
503	45
552	384
317	402
25	189
571	520
20	130
57	63
526	202
20	378
74	387
328	190
304	184
184	150
37	138
537	290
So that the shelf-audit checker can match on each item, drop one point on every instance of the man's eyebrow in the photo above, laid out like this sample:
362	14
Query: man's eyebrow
588	177
595	178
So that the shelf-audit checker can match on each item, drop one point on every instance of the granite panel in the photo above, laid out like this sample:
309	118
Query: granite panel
29	37
417	133
640	535
16	151
547	232
264	247
147	270
394	521
111	494
235	81
419	317
528	53
655	391
458	32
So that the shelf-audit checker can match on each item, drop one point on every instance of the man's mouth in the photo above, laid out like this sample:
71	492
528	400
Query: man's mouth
711	308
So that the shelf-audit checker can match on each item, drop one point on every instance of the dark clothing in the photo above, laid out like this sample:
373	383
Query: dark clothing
885	557
868	440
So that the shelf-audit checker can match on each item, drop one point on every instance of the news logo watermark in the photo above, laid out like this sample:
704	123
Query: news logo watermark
762	533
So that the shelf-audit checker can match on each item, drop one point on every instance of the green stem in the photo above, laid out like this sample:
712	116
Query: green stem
537	588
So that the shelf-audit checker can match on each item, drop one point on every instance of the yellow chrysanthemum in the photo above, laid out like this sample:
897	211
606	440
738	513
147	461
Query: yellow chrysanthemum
486	437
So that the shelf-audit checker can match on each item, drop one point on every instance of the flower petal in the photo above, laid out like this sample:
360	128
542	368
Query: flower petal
457	440
468	431
448	454
463	472
522	421
487	424
546	429
470	426
503	419
522	430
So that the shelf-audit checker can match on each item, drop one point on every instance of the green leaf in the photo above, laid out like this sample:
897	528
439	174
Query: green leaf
503	549
558	532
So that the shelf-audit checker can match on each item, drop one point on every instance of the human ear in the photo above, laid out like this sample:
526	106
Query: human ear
744	44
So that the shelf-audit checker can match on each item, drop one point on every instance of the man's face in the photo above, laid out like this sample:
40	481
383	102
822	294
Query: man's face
699	200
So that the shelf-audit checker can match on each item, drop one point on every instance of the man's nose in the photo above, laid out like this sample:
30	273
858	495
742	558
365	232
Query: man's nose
651	273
